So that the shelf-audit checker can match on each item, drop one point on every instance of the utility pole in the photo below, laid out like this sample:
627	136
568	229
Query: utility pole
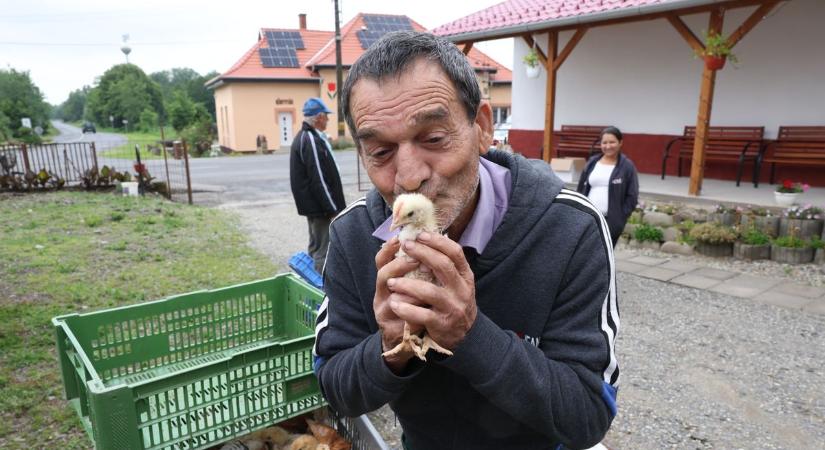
339	71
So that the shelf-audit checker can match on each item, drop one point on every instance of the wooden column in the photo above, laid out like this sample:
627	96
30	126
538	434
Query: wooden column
550	95
697	168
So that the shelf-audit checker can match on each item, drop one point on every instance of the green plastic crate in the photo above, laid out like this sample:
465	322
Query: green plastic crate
192	370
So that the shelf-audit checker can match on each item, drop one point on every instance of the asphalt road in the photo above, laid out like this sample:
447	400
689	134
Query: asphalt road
70	134
258	178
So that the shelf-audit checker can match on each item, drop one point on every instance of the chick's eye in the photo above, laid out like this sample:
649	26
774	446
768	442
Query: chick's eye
410	214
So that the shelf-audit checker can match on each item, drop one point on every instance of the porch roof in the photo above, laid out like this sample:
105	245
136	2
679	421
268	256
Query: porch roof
516	17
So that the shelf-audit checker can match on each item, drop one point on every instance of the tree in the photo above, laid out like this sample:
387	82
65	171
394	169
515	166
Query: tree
19	98
148	120
188	81
124	92
181	110
72	109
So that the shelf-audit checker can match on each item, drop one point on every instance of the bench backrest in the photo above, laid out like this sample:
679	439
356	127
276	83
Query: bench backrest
799	142
811	134
725	138
578	139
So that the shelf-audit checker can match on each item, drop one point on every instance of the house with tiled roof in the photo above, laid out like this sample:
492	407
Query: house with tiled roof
632	64
261	95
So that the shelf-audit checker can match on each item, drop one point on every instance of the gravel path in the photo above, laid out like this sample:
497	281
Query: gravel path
699	369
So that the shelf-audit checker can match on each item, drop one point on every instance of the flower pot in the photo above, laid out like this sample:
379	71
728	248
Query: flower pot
715	62
792	255
766	224
803	228
532	71
745	251
650	245
714	250
819	256
727	219
785	198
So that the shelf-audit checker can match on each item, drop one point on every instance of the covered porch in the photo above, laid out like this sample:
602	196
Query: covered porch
628	63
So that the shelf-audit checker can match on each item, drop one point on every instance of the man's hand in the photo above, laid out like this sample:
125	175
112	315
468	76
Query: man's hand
391	326
447	311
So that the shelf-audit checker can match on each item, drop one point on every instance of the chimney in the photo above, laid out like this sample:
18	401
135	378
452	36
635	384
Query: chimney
302	21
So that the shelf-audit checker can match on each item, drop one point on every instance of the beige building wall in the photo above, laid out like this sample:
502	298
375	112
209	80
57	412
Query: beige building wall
255	108
328	76
500	94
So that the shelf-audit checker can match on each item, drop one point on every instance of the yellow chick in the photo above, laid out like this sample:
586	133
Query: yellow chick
413	214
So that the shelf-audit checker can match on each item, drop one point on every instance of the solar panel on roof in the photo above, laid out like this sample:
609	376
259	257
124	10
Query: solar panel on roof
285	39
278	57
378	26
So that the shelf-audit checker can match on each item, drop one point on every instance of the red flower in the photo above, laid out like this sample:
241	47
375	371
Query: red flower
787	184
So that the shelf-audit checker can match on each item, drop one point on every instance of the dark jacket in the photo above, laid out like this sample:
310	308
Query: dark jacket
622	194
538	366
313	175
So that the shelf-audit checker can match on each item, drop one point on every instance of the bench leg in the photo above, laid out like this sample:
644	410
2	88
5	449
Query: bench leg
756	166
679	172
664	165
739	172
773	172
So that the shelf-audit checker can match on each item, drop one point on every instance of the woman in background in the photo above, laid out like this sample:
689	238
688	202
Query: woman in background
610	182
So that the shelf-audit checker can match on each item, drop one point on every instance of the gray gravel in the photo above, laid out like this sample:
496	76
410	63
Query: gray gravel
699	369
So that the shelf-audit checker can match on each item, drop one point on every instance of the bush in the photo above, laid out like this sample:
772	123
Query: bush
199	136
28	136
817	243
790	242
148	120
342	143
647	232
755	237
712	233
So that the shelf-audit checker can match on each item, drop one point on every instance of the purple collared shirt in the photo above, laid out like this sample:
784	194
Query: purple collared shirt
493	198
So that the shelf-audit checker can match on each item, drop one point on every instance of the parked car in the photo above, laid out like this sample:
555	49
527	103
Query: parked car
89	127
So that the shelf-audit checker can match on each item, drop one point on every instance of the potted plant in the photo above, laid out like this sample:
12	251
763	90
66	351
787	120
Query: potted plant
803	221
531	63
648	236
726	215
819	250
791	250
753	244
716	51
763	219
788	192
713	239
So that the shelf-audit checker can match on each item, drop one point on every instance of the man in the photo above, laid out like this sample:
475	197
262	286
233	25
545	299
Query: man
526	298
314	178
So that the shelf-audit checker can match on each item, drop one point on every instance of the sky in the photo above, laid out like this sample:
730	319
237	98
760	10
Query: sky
66	44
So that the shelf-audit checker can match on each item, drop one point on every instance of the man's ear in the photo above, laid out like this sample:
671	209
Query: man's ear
484	122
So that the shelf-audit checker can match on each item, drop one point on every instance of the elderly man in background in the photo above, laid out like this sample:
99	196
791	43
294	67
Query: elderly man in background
525	295
314	178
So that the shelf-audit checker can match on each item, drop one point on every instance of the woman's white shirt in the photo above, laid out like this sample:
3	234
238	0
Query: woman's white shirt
599	184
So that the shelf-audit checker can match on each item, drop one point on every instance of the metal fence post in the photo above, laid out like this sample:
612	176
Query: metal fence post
188	177
166	163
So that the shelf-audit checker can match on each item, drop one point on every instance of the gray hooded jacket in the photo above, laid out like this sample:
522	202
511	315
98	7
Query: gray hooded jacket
536	370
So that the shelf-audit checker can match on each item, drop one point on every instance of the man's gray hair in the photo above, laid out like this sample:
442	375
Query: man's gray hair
394	52
311	119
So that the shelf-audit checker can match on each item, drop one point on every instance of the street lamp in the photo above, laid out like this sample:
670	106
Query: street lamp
112	120
126	124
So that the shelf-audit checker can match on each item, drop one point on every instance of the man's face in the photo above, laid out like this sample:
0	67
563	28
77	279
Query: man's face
414	136
321	122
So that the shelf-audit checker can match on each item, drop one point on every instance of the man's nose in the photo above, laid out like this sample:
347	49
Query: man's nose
411	170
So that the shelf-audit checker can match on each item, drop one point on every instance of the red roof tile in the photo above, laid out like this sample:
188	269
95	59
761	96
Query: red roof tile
513	13
320	52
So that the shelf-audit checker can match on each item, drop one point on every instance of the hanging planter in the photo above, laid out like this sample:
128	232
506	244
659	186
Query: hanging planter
715	62
716	52
531	63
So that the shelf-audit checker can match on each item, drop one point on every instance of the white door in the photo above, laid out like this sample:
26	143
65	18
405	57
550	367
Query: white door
285	127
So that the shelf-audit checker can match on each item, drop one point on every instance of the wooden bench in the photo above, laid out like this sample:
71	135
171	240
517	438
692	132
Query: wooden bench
578	140
798	146
724	144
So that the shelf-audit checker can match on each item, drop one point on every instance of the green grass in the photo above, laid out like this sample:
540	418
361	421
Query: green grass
76	252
